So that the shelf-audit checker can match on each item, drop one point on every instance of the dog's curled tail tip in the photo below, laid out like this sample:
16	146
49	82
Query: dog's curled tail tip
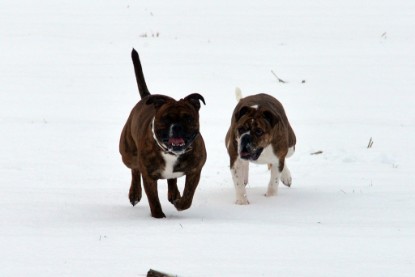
238	94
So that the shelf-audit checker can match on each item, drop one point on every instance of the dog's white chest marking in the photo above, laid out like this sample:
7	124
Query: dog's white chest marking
267	156
170	161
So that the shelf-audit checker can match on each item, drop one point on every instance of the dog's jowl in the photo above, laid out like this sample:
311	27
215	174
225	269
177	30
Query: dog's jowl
259	133
161	140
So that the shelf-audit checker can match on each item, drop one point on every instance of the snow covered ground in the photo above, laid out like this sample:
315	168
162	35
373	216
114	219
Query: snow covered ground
67	86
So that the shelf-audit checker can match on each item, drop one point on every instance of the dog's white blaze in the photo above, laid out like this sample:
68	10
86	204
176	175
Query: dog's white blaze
154	134
238	141
255	107
267	156
171	130
168	169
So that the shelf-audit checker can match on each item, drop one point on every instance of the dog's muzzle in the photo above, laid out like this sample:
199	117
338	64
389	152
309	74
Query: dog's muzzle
247	150
175	140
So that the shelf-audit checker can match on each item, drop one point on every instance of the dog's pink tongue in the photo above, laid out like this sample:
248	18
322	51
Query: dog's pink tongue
176	141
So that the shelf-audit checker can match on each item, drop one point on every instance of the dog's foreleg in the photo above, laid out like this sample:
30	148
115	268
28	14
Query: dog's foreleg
150	186
240	174
274	180
135	188
290	152
183	203
173	192
286	176
285	172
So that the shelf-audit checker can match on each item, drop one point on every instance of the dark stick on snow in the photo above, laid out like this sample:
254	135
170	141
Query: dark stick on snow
317	152
154	273
370	143
278	78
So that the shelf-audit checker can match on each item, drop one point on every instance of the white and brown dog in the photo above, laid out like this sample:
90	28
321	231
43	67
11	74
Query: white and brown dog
161	140
259	133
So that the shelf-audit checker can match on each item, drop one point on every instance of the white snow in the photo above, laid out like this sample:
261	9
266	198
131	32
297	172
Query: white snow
67	86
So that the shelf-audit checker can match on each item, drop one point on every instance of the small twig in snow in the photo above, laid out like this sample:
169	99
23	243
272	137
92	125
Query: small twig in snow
370	144
317	152
278	78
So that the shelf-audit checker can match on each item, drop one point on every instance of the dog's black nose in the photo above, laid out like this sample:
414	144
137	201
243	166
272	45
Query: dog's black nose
176	128
246	139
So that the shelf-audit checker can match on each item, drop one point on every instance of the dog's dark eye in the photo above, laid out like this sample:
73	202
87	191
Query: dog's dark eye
242	130
259	132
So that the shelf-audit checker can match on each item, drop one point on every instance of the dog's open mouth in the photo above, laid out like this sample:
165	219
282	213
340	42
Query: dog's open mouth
250	155
176	142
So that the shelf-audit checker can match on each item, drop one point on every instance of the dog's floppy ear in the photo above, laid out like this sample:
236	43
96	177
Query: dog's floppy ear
194	100
271	118
157	100
242	111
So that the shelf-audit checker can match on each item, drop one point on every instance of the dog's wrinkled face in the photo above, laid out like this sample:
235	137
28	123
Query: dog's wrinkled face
253	131
176	123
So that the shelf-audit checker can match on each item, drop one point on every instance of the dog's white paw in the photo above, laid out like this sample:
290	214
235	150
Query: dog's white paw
271	192
286	177
242	201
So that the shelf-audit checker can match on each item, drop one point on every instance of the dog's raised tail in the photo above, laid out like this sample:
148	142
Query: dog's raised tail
139	76
238	94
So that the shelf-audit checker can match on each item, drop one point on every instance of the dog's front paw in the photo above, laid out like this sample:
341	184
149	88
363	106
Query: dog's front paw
242	201
270	193
286	177
158	215
135	197
173	196
181	204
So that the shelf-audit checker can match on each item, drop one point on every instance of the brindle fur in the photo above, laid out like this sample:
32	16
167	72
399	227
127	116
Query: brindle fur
267	113
143	155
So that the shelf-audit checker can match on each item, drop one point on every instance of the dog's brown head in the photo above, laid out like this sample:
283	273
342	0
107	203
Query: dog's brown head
176	123
254	126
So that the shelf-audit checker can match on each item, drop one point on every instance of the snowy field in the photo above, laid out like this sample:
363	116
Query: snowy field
67	86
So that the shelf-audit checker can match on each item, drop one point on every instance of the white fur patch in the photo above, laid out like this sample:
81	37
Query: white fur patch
254	107
291	151
168	170
267	156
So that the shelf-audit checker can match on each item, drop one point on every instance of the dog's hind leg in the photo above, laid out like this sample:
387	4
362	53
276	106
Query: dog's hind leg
173	192
135	188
